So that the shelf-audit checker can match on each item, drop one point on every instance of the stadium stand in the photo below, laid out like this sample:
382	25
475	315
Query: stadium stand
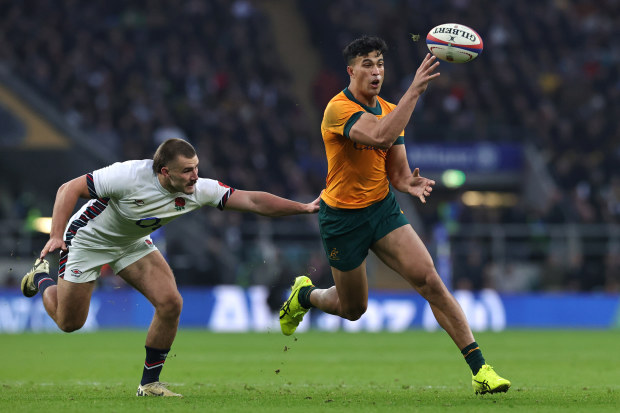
132	74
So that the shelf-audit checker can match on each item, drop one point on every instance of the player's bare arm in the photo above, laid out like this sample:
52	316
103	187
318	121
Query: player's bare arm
66	199
403	179
264	203
382	133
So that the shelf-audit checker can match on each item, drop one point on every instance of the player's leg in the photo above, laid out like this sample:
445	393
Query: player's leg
152	276
346	236
348	298
404	252
66	302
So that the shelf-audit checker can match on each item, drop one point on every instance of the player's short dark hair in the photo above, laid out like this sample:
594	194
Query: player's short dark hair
169	150
363	46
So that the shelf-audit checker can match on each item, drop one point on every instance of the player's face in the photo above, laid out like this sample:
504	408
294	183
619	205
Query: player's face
181	174
367	73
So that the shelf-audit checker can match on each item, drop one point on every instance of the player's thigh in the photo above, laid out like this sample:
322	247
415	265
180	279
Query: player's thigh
153	277
404	252
73	301
352	287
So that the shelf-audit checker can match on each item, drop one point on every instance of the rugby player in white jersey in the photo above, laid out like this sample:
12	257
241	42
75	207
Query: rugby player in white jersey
128	201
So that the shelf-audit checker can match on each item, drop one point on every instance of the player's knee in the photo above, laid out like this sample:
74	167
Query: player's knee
171	306
355	313
431	287
69	326
427	277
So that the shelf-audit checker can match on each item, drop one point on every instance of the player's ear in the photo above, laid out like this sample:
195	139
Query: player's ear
350	70
165	171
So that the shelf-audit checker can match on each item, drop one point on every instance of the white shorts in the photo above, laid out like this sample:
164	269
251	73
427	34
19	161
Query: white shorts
83	264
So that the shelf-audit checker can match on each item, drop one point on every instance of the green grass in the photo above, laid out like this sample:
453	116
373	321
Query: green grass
568	371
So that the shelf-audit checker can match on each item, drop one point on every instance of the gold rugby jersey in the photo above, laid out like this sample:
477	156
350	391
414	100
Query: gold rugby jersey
356	174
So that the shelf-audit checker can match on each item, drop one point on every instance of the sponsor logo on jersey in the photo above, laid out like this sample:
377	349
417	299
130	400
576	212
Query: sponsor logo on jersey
138	202
148	242
361	147
76	272
179	203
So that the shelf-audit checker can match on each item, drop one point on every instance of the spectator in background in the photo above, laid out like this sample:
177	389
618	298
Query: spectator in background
122	71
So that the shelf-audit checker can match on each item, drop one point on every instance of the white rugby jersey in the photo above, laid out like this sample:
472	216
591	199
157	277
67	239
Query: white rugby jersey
129	203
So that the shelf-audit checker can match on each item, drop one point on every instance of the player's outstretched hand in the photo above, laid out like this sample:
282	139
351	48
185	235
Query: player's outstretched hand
52	245
420	186
425	73
313	207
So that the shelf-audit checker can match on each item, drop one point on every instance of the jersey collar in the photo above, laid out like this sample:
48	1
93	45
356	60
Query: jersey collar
375	111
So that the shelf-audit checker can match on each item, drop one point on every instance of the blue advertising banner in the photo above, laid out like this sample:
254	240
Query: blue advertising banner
475	157
232	308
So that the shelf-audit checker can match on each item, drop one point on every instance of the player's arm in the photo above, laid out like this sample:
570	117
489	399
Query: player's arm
382	133
66	199
403	179
264	203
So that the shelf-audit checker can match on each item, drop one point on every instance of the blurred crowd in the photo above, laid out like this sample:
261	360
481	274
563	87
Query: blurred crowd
132	74
549	75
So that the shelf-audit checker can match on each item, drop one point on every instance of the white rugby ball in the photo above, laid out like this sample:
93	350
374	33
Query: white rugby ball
454	43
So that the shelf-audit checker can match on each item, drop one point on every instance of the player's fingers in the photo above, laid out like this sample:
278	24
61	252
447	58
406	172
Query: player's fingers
44	252
430	71
416	172
431	64
428	60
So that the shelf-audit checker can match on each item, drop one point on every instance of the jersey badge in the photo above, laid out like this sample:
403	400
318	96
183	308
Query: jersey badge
138	202
333	255
179	203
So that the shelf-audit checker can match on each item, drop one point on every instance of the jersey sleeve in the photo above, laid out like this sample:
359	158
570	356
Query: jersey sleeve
340	116
110	182
401	138
213	193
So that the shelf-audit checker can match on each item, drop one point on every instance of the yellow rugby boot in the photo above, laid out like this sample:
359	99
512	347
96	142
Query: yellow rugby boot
487	381
291	312
29	288
156	389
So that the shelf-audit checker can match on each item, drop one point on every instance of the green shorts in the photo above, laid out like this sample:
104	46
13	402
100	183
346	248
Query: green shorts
348	234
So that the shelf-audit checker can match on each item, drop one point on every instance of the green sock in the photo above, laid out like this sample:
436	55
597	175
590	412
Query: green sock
473	357
304	296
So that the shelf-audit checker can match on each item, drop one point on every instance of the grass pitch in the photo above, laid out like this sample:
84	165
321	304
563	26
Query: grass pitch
568	371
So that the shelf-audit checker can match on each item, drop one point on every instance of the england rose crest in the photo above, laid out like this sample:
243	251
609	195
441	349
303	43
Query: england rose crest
179	204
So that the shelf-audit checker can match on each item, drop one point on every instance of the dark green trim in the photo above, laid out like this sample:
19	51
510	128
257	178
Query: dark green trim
350	123
375	111
399	141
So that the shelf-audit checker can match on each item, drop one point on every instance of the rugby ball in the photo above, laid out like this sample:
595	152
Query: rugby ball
454	43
